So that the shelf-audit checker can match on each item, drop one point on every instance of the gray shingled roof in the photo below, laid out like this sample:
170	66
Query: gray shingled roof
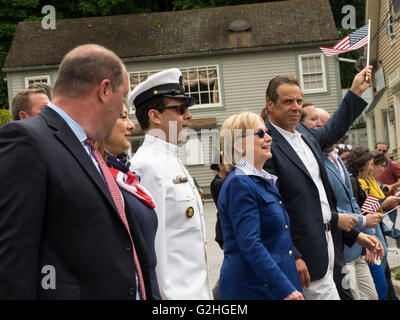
272	25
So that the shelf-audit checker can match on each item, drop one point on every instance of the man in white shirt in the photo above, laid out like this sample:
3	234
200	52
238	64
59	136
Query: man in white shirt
303	182
162	111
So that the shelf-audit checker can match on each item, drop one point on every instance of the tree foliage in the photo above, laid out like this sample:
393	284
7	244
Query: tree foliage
14	11
198	4
5	116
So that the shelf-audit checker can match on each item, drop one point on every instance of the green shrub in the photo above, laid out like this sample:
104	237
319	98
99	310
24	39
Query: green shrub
397	274
5	116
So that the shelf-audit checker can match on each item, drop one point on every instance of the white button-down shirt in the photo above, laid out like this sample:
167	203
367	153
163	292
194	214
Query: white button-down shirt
307	157
335	156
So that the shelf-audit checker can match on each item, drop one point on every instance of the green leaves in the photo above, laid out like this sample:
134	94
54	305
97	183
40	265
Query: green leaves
5	116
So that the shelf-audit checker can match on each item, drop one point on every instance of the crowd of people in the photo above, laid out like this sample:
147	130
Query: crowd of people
290	208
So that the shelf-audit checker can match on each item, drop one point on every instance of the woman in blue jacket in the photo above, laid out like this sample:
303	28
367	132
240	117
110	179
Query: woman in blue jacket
258	252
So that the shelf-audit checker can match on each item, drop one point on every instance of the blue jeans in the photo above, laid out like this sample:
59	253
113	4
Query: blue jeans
381	237
378	274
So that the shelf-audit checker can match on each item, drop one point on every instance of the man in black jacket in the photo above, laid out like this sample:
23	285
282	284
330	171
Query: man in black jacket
303	182
62	235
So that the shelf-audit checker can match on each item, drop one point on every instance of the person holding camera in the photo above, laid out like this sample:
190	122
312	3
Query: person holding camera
390	180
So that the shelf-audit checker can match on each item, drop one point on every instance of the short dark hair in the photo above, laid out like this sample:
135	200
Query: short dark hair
264	114
380	142
22	102
143	109
274	83
86	66
307	104
357	160
47	89
343	151
379	157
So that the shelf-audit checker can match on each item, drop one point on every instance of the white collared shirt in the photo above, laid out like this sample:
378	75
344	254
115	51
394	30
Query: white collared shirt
251	170
307	157
335	156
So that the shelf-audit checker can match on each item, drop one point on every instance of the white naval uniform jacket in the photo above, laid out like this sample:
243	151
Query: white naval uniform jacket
182	270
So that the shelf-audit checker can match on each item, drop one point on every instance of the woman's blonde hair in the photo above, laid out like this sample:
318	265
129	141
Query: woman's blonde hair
232	129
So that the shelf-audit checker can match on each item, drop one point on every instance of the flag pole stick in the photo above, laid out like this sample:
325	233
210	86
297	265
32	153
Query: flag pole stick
375	212
390	211
369	41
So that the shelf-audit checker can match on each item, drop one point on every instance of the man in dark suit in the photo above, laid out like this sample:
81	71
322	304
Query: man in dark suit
61	234
303	181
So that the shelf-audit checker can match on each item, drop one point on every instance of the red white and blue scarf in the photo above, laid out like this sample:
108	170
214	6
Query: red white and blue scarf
128	181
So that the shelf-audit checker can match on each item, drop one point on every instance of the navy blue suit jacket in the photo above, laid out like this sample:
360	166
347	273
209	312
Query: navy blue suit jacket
55	209
258	252
299	191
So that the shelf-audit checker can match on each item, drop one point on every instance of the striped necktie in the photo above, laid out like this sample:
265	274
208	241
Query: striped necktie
118	201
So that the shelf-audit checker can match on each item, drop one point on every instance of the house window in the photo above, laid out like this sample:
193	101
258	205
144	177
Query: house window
312	73
32	80
200	83
138	77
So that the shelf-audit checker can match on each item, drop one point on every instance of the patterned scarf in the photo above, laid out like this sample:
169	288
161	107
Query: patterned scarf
127	180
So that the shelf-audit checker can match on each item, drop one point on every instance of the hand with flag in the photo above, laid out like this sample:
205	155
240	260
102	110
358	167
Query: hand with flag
370	205
361	81
389	201
354	41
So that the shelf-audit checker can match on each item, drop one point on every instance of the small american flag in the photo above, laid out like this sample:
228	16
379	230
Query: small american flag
371	205
355	40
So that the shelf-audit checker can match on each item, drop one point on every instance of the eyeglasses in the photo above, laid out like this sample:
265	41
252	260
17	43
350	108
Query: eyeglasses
383	151
182	108
260	133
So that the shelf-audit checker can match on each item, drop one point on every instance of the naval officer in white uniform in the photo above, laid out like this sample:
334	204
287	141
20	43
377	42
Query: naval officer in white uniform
161	108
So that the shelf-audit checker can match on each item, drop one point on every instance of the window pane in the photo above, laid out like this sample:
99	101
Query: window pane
205	98
196	95
311	64
305	65
318	67
32	81
195	87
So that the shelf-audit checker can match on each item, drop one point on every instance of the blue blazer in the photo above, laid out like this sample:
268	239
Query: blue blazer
298	189
258	252
345	203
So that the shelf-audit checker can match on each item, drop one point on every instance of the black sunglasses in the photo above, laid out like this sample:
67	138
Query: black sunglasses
384	151
261	133
182	108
